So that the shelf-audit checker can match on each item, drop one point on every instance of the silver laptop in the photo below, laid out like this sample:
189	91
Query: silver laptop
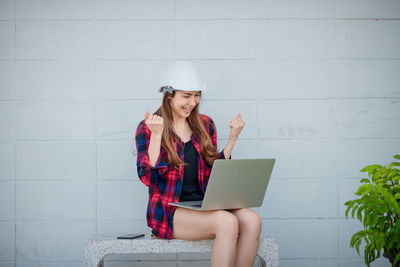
233	184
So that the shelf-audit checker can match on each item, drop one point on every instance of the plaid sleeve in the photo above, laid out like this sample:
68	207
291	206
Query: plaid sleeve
212	130
147	174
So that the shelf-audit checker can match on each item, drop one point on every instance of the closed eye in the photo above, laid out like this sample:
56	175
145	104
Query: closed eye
189	95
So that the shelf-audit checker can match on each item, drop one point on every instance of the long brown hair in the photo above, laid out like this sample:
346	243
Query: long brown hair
169	138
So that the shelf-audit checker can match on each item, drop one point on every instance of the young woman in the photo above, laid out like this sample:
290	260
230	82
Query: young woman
176	148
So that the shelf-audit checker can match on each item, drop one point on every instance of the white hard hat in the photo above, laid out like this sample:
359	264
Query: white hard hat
182	75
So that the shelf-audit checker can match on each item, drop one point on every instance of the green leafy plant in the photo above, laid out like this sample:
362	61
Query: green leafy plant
378	208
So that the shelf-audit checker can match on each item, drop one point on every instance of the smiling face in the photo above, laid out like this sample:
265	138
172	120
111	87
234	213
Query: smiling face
183	102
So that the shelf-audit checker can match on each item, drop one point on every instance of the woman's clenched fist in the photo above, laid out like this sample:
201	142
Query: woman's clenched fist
236	125
154	123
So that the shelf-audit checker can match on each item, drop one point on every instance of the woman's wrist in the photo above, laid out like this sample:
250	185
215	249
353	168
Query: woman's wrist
156	136
232	140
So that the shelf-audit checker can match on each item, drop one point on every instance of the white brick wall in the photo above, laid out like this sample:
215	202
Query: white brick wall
317	82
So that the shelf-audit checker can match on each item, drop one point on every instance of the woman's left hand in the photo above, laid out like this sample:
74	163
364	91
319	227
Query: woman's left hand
236	125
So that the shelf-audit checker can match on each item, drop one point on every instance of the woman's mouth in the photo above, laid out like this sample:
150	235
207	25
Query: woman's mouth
187	110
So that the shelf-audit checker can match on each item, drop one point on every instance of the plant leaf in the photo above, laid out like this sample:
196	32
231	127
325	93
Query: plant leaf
364	189
354	211
357	245
359	214
396	259
365	180
347	211
349	203
370	168
373	219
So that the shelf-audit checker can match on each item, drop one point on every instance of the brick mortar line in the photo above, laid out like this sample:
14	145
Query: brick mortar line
211	19
15	133
235	100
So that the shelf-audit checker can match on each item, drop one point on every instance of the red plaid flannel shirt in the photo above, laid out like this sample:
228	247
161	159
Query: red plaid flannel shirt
165	182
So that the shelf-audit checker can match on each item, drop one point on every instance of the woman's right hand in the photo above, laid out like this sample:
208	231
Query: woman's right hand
154	123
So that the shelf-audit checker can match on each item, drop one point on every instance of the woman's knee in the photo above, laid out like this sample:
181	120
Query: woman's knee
255	221
249	221
226	223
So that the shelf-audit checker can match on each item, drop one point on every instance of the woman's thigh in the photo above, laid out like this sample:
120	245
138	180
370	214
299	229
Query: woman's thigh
197	225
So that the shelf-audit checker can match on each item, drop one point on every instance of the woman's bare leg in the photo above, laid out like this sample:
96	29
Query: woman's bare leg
249	237
221	225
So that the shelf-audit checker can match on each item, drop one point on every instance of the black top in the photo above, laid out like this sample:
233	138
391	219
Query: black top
191	190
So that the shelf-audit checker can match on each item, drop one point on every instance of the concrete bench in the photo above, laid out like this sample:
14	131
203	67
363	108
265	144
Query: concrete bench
100	246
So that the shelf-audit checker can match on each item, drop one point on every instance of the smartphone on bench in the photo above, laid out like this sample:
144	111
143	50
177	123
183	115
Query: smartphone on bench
130	236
